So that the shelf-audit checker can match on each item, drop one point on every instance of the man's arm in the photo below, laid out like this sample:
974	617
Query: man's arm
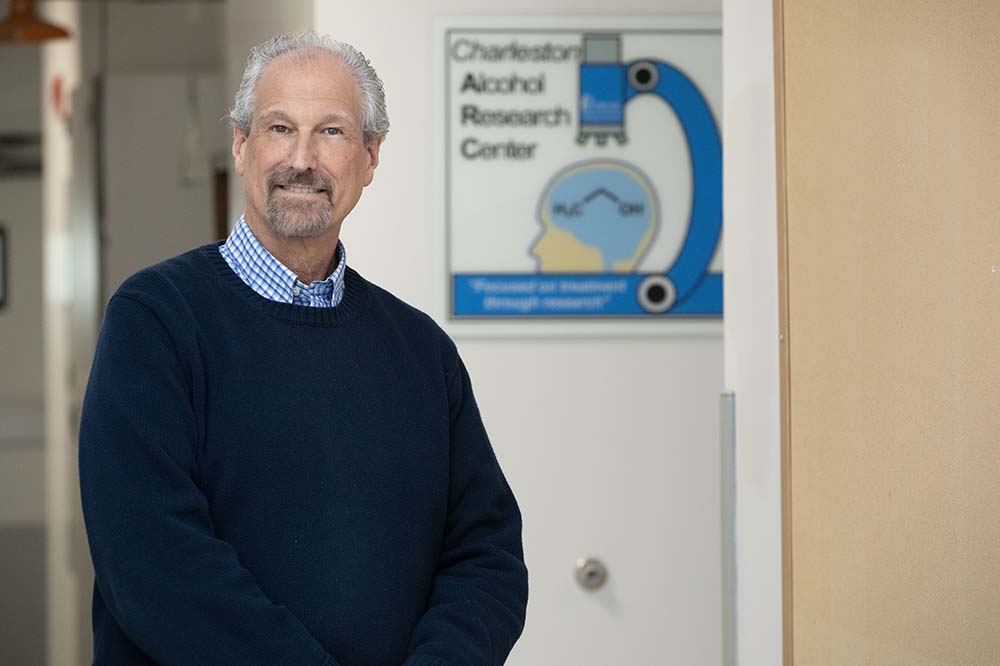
177	590
477	606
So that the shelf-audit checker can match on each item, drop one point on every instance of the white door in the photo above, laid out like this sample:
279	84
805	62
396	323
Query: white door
611	447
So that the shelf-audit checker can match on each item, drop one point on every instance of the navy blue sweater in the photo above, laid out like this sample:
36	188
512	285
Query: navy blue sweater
272	484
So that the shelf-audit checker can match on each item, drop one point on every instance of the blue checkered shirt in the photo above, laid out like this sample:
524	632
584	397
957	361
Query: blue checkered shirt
273	280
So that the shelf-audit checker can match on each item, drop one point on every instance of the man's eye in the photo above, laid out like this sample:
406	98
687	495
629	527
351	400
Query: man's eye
332	131
280	129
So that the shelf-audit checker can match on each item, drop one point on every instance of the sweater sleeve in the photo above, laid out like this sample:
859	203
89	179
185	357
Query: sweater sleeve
177	590
477	605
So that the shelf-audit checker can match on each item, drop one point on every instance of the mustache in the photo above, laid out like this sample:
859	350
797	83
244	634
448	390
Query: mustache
310	179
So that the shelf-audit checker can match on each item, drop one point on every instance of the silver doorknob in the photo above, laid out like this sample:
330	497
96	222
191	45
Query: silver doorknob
591	573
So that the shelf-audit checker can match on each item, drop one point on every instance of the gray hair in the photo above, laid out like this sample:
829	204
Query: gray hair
374	119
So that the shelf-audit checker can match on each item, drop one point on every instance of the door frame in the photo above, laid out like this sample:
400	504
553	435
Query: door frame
753	344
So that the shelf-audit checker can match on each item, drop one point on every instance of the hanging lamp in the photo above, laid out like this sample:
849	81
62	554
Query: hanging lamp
21	26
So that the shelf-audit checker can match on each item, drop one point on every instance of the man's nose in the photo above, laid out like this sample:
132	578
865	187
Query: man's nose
303	152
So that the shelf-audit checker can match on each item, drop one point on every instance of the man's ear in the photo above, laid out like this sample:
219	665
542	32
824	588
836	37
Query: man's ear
239	144
372	149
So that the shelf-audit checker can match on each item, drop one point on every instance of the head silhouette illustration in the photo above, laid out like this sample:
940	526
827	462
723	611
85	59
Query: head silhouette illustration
597	216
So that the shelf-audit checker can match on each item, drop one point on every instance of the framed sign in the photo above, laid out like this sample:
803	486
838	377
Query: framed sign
580	174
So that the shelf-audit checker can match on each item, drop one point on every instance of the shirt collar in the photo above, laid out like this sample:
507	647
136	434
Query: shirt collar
260	270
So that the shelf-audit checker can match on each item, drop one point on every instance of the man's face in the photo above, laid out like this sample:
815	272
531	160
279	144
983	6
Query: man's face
304	162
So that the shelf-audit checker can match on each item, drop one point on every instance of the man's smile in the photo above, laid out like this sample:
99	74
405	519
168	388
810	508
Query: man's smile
299	189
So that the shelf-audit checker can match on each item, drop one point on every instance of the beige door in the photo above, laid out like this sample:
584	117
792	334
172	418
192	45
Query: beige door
890	162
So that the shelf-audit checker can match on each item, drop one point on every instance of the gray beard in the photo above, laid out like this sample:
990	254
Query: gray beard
291	221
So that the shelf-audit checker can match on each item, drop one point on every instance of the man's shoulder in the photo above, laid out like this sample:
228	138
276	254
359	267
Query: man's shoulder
397	308
406	317
170	280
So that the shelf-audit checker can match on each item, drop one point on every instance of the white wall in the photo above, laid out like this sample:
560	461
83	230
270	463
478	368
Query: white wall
751	324
187	36
151	213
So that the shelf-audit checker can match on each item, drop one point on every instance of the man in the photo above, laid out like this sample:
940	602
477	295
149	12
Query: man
281	463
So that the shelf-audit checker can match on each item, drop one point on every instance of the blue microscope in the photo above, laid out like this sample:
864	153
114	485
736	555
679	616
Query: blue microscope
606	86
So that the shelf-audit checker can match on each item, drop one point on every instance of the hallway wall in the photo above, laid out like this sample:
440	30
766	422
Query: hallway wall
22	460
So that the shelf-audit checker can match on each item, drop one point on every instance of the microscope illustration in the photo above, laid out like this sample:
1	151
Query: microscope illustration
607	85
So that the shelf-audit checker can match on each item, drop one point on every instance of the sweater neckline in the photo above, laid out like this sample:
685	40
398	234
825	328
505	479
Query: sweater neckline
354	294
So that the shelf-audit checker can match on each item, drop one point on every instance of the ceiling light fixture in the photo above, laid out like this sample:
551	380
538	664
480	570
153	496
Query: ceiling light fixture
21	26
